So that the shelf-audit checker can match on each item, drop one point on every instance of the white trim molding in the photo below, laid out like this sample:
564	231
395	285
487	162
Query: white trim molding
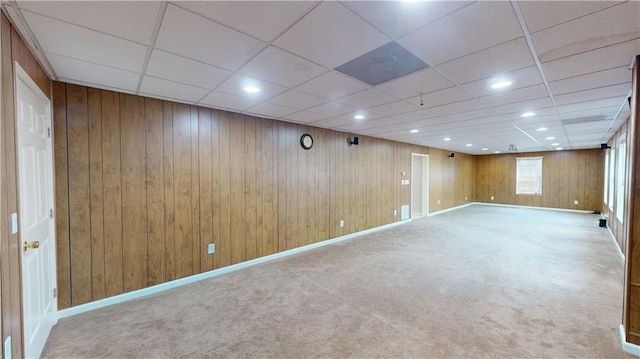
630	348
121	298
451	209
534	207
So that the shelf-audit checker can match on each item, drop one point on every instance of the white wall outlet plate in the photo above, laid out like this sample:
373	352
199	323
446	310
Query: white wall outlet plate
341	223
575	202
211	248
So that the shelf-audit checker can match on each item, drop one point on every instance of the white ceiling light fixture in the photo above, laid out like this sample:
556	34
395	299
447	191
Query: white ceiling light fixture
485	149
469	144
549	138
559	148
446	139
542	129
555	144
251	89
359	116
501	84
528	114
414	131
496	151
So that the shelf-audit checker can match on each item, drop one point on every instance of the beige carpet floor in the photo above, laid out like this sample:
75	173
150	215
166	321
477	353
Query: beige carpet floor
478	282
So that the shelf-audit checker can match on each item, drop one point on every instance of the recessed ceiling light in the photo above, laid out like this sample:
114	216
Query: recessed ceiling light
542	129
528	114
359	117
469	144
550	138
496	151
446	139
485	149
501	84
558	148
251	89
555	144
414	131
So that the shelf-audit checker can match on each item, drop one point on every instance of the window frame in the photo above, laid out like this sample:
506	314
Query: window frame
539	179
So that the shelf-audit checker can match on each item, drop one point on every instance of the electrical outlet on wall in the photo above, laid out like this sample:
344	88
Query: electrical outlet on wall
395	213
211	248
342	223
492	198
575	202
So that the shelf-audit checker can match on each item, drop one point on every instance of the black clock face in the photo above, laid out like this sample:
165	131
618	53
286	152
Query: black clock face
306	141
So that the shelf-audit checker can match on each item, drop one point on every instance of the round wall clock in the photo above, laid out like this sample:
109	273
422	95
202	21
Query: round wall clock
306	141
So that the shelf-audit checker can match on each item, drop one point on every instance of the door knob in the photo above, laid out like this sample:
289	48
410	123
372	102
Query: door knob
32	245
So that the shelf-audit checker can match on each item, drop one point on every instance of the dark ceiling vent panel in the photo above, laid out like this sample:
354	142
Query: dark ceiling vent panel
383	64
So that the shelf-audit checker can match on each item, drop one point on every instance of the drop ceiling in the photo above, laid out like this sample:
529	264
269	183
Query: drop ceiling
567	61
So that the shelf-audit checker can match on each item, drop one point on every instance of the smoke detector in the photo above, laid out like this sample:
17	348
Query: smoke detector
513	148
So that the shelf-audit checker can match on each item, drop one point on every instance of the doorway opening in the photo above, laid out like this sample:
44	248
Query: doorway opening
419	185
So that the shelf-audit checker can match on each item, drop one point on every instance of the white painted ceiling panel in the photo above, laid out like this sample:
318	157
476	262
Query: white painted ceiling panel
589	32
130	20
494	61
205	52
95	74
193	36
61	38
242	15
331	35
282	68
167	89
464	32
181	69
332	85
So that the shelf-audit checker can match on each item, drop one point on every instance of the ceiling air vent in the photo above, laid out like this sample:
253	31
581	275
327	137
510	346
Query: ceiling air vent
383	64
574	121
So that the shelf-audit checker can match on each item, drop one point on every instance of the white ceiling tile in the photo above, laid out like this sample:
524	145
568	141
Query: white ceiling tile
469	115
457	107
525	77
100	86
338	121
227	101
193	36
281	67
270	110
181	69
609	111
396	18
597	60
618	75
297	99
489	63
594	94
589	32
242	15
515	96
235	85
424	81
467	30
332	108
131	20
542	14
367	98
604	104
332	85
169	89
305	117
441	97
524	106
396	107
331	35
63	39
97	75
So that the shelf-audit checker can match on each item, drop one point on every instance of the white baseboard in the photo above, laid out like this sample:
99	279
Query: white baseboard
630	348
534	207
613	238
451	209
214	273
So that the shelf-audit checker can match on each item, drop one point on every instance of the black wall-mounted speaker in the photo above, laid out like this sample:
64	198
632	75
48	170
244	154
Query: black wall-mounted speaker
604	146
452	155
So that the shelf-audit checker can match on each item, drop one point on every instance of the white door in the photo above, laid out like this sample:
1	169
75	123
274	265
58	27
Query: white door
35	170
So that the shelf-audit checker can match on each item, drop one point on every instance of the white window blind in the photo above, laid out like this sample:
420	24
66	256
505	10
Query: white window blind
612	177
621	179
529	175
606	179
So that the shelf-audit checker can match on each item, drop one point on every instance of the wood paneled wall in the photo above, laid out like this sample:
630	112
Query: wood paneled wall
143	186
567	176
13	49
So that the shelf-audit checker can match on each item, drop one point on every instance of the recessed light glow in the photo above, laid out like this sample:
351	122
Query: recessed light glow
558	148
469	144
496	151
414	131
528	114
542	129
485	149
550	138
555	144
446	139
501	84
251	89
359	117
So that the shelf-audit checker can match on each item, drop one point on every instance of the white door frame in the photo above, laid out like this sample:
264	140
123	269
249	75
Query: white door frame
21	76
424	185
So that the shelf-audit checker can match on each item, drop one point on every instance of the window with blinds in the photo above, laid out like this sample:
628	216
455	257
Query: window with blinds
529	175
